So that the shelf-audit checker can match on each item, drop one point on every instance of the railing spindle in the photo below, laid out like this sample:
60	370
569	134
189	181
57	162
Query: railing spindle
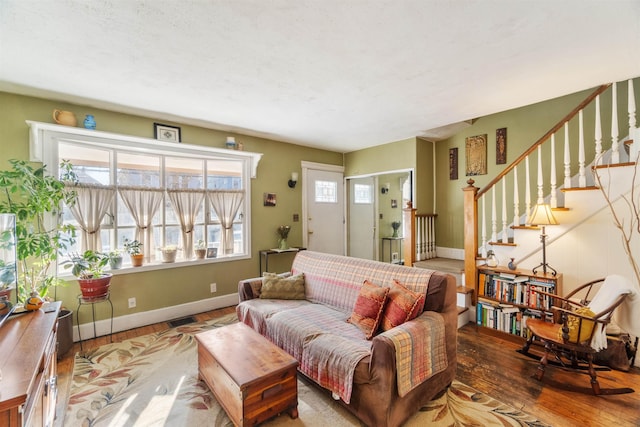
615	133
505	234
516	198
567	157
582	177
632	109
553	201
598	134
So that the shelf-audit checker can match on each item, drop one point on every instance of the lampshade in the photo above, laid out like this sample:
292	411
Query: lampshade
542	215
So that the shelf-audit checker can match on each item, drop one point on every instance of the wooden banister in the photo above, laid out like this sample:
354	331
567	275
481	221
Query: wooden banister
545	137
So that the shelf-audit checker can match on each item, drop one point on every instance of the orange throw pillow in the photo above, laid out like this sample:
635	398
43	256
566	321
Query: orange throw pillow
402	305
368	309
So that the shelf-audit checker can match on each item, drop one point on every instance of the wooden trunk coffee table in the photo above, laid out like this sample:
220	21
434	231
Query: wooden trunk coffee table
252	378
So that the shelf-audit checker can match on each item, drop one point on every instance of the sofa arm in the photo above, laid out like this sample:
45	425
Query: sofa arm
250	288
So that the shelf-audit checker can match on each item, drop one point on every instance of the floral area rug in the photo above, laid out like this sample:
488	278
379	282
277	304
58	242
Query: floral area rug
153	381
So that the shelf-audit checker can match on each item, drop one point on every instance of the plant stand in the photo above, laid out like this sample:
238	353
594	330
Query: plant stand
93	301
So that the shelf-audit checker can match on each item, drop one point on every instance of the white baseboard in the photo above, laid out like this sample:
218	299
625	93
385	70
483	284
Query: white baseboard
136	320
451	253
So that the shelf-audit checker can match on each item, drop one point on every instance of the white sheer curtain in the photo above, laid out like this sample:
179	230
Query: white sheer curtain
226	205
91	205
187	204
143	203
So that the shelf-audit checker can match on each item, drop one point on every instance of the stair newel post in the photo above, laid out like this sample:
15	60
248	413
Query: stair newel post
409	233
615	133
632	111
567	157
553	200
582	177
470	236
483	250
598	135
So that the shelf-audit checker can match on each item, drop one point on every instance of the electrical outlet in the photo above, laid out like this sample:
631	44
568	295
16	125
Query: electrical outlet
132	302
214	287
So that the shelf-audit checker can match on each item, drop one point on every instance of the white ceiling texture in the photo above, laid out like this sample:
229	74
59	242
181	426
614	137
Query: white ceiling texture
335	74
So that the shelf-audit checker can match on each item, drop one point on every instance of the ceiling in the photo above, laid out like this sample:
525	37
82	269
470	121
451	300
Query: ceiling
335	74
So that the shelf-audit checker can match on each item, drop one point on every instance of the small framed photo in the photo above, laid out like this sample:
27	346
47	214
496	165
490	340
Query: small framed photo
269	199
501	146
166	132
212	252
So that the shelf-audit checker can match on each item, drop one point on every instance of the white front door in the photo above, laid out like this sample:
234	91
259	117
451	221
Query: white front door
323	209
362	222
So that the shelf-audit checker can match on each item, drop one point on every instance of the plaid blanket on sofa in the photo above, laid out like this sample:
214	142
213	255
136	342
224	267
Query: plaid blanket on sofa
419	355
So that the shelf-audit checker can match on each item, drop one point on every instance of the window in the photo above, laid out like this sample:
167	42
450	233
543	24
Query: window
362	194
326	192
159	193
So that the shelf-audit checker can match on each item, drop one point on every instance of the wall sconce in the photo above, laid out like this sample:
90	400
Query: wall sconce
542	215
385	188
294	180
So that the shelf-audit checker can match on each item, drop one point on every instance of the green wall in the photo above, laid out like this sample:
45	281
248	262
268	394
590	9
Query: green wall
162	288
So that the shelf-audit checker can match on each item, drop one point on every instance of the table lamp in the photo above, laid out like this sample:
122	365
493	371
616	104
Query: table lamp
542	215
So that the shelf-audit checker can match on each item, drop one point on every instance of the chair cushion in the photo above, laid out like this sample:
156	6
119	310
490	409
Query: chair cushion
573	322
276	287
367	311
402	305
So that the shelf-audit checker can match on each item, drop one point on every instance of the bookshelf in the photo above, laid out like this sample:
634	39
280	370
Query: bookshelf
506	298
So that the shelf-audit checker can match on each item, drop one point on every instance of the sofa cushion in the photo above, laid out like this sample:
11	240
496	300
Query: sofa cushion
367	311
276	287
402	305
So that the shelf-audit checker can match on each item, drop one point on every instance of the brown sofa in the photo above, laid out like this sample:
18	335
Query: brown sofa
332	285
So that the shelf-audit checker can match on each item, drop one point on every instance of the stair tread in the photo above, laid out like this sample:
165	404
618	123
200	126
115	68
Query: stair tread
464	290
462	309
446	265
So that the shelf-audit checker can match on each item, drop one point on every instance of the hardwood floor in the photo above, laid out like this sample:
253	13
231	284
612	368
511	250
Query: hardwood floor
487	363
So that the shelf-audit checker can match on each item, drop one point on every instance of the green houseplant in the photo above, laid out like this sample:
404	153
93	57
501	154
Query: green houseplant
200	249
134	249
89	269
35	197
115	259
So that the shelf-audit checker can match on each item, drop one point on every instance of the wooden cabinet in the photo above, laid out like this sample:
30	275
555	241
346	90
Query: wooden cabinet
28	388
506	298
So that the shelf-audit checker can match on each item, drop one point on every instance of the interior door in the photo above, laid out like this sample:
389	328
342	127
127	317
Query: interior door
362	230
324	213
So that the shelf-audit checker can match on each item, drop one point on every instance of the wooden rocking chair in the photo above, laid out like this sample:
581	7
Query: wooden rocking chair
571	341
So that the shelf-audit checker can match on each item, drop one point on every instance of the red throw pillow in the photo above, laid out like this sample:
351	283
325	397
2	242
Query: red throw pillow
402	305
368	309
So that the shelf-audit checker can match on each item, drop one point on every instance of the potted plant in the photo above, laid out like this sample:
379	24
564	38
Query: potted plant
200	249
31	195
134	249
89	269
169	253
115	259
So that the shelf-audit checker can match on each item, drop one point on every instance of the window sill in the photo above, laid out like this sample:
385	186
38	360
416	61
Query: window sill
156	265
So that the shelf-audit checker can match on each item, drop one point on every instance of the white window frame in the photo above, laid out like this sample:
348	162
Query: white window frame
43	147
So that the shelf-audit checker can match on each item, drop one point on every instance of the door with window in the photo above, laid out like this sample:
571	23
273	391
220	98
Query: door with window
323	209
362	222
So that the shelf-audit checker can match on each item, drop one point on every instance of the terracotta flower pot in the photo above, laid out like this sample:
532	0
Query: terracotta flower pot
200	253
136	260
95	288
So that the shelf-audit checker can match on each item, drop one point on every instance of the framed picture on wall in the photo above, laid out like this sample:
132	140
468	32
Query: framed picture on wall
166	132
269	199
476	148
453	163
501	146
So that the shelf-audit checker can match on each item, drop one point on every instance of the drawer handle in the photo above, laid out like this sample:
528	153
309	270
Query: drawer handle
272	391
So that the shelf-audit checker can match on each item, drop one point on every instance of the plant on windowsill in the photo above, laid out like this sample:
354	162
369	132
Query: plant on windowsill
89	270
200	249
134	249
115	259
169	253
32	195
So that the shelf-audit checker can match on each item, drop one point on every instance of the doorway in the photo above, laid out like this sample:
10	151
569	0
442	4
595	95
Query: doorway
370	220
323	227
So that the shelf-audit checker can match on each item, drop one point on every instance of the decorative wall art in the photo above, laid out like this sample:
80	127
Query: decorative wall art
476	147
269	199
394	203
453	163
166	132
501	146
